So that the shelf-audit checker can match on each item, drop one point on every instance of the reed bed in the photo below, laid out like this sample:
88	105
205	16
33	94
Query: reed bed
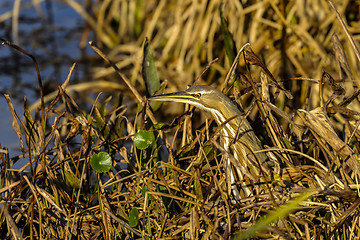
297	81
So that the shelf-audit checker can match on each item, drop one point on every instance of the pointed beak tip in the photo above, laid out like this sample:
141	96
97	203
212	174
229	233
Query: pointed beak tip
170	97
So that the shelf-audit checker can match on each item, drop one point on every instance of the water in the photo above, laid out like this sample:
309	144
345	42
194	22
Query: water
51	32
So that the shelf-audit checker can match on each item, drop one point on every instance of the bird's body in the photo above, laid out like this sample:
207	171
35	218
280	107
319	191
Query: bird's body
232	123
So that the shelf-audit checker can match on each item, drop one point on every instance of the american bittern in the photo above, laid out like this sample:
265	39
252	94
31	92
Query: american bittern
232	123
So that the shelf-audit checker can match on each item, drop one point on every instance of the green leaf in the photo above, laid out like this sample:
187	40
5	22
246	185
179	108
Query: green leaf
150	74
101	162
283	211
228	40
143	139
133	217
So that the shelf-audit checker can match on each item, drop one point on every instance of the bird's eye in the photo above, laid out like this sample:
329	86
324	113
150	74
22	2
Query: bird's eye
197	95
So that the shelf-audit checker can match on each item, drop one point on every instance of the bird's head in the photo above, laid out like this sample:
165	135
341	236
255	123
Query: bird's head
205	98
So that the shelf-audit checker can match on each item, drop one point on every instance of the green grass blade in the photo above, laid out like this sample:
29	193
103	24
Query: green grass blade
228	40
283	211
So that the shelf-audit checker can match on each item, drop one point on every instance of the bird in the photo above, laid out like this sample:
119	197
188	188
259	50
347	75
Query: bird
233	125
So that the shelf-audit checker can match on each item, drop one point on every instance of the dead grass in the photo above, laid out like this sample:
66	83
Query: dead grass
178	184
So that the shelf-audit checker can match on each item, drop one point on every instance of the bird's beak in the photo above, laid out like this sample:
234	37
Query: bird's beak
182	97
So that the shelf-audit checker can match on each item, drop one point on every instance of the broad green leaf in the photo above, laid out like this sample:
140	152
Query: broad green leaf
133	217
150	74
143	139
101	162
228	40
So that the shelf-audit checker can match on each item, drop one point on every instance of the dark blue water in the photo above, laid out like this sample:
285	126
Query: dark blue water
51	32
